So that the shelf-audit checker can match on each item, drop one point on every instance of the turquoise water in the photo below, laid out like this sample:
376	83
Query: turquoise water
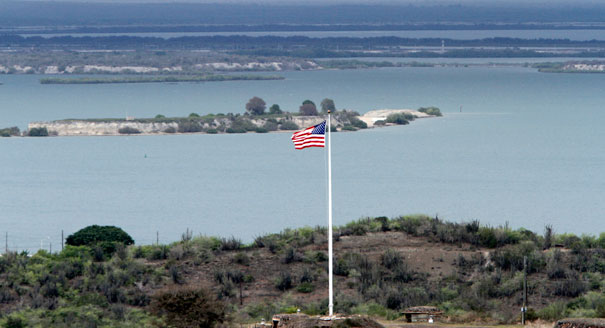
527	149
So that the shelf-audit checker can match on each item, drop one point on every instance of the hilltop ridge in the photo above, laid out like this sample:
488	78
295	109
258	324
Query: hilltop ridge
471	272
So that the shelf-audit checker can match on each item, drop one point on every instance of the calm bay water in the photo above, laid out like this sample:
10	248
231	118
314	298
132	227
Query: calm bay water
576	35
527	149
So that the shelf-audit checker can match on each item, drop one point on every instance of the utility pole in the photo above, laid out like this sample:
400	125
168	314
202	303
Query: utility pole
6	243
524	309
157	237
62	239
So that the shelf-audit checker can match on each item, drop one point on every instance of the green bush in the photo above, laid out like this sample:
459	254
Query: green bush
305	287
9	132
358	123
487	237
189	307
553	311
170	129
288	125
158	253
270	126
189	127
284	281
241	258
570	287
236	130
397	118
274	109
430	110
38	132
93	235
15	322
348	128
601	240
391	259
290	256
212	131
230	244
128	130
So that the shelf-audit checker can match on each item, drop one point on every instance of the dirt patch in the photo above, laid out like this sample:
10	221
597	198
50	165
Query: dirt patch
305	321
580	323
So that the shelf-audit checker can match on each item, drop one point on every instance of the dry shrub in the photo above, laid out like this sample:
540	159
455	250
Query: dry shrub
188	307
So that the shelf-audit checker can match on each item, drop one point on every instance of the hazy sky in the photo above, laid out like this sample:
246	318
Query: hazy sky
395	2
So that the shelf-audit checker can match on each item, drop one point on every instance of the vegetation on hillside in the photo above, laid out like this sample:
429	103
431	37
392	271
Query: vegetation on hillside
473	273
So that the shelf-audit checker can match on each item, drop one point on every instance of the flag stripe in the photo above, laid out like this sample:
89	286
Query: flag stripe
313	136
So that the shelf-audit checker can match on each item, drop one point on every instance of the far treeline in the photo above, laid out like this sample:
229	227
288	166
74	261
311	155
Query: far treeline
159	79
472	272
241	42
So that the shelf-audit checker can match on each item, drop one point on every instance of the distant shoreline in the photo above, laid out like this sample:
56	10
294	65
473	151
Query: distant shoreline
158	79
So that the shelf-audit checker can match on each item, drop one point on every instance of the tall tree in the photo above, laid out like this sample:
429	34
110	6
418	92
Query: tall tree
274	109
327	105
307	102
256	106
308	109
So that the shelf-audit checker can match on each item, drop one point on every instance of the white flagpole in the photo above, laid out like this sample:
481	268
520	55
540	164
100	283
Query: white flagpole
330	256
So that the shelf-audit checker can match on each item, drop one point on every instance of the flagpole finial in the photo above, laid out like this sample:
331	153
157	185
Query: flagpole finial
329	111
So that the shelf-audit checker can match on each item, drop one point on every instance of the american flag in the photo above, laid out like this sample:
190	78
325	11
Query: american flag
310	137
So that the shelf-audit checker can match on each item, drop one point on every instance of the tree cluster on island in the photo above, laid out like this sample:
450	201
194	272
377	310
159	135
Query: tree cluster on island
257	106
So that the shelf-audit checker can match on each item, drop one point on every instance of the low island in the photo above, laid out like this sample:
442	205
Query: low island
254	120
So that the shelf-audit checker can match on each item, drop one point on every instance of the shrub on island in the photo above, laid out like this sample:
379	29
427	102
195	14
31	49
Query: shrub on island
38	132
236	130
430	110
189	127
9	132
270	125
128	130
397	118
288	125
358	123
